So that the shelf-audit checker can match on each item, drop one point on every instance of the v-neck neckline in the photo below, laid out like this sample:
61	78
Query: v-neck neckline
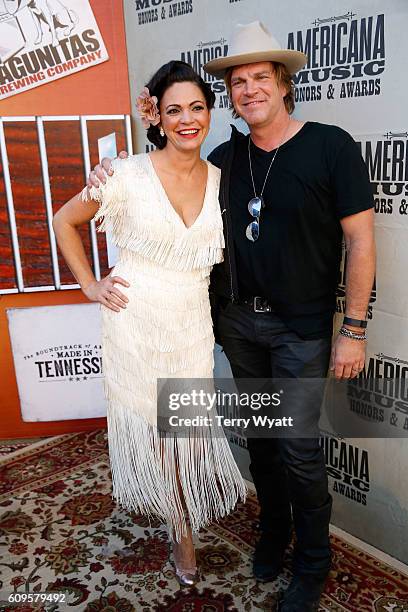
166	197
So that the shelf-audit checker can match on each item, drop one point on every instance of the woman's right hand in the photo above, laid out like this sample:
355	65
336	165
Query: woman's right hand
103	291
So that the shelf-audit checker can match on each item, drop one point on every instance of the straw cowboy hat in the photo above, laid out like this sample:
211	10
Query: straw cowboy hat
253	43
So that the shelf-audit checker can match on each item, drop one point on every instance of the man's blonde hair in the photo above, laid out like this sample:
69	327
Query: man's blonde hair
282	77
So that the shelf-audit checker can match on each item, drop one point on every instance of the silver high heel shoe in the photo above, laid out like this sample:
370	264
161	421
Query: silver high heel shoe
186	576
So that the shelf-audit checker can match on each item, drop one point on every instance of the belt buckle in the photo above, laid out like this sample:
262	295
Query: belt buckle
260	308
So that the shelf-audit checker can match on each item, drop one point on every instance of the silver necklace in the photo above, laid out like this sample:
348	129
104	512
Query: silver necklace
269	169
256	203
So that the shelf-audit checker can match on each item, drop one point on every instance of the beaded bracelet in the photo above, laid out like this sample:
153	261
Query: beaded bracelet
347	333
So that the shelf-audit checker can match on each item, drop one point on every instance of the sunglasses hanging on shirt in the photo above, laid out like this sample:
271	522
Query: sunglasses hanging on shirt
256	204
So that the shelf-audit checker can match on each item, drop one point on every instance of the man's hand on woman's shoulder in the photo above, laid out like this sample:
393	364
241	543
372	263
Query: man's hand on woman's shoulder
98	174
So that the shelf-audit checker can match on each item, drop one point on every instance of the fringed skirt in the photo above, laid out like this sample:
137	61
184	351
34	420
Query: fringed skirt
164	333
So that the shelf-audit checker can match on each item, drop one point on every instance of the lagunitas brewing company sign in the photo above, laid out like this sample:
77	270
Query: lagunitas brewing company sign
346	57
202	53
45	40
150	11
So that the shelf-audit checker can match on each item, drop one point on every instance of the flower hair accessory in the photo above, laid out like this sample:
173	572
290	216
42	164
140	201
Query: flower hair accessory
147	109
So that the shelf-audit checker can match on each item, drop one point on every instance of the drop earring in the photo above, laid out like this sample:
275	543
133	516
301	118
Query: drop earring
161	132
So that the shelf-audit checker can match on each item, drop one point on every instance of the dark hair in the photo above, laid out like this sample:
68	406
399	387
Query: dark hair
170	73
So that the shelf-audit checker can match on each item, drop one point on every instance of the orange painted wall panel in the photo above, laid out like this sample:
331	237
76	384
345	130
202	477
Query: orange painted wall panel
99	90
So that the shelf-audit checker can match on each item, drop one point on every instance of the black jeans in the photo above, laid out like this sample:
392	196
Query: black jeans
288	473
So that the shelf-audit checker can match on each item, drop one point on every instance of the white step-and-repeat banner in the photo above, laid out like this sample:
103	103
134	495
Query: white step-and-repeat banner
355	78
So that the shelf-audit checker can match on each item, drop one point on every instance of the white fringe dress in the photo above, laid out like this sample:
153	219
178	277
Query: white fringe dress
165	332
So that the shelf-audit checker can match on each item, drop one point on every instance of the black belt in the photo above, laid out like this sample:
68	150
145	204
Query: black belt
257	304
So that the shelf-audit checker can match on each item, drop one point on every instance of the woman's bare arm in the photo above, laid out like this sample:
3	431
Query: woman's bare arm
65	223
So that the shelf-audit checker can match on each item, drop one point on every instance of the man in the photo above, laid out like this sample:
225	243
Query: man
288	192
276	288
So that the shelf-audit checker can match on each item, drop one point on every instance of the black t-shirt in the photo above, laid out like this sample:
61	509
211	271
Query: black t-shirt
318	177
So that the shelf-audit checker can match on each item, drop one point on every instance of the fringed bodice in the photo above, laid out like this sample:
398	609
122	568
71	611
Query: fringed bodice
135	209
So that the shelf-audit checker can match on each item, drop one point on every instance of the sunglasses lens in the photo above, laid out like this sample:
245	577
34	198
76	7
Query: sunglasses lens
252	231
255	206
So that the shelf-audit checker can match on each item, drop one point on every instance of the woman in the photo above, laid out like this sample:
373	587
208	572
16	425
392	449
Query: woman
162	209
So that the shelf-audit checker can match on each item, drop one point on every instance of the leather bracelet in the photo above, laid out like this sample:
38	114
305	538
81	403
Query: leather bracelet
347	333
355	322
